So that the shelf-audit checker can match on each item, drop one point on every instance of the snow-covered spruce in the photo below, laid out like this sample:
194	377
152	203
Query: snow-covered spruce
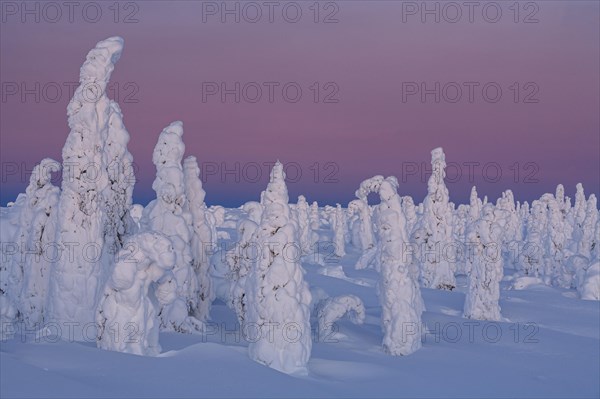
531	257
315	219
588	277
363	225
201	238
554	245
94	200
484	280
127	315
459	230
399	293
338	225
304	230
240	258
410	213
36	234
278	296
331	310
433	233
166	214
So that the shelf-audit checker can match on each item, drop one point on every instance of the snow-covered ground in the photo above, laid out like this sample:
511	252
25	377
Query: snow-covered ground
548	347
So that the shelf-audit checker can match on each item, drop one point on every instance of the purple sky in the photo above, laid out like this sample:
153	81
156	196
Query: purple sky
367	54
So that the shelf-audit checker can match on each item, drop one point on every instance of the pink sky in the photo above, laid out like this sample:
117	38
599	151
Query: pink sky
368	55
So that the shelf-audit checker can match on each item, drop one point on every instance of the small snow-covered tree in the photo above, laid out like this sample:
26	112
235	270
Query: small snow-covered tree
531	256
201	238
304	231
338	224
484	280
331	310
278	296
35	236
434	230
459	230
240	258
410	213
167	215
554	242
587	242
127	315
315	219
364	224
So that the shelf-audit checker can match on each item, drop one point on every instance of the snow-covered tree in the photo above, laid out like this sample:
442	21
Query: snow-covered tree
201	239
399	293
587	242
484	280
434	231
35	236
363	225
95	199
304	230
118	193
459	231
167	215
410	213
315	219
241	257
338	224
278	297
127	315
331	310
531	256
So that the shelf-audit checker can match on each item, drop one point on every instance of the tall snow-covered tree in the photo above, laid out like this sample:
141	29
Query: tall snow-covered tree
95	198
434	230
399	293
201	238
167	215
278	296
35	237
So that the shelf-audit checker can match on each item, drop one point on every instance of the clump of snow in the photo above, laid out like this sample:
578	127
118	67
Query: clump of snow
333	309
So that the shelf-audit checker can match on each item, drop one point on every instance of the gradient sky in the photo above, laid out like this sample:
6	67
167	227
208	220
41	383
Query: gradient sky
368	54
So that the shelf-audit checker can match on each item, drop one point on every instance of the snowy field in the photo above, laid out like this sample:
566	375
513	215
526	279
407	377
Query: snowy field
382	297
548	346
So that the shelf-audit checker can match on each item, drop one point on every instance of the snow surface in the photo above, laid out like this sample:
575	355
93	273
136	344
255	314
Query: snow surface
556	356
